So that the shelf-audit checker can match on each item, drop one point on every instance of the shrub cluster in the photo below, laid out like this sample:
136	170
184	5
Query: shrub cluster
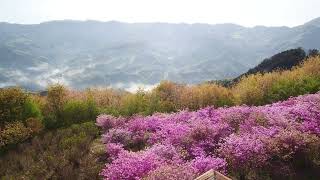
256	89
23	115
12	102
29	152
20	117
259	89
277	141
66	153
62	107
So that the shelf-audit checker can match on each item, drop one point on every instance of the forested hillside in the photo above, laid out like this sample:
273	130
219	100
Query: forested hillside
281	61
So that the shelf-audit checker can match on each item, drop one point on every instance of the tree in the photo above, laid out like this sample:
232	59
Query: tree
313	52
12	101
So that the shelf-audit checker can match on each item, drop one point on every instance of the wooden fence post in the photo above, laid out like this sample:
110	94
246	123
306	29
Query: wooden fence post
212	175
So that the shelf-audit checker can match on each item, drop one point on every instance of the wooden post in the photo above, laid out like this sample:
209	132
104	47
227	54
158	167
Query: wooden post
212	175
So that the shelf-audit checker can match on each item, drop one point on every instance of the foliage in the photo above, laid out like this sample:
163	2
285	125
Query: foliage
31	110
168	92
260	89
133	104
78	111
54	106
61	154
35	125
63	107
20	117
242	141
251	90
104	97
313	53
156	104
285	88
256	89
283	60
13	134
12	101
109	110
196	97
276	141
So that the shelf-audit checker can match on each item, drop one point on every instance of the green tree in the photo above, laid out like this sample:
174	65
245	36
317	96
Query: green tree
12	101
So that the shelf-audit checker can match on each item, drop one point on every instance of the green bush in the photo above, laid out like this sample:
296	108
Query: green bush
155	104
61	154
12	101
34	124
31	110
78	111
53	110
50	121
134	104
92	109
14	133
74	111
63	110
109	110
286	88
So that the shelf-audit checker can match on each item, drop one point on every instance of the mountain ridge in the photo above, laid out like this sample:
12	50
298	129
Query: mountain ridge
312	21
92	53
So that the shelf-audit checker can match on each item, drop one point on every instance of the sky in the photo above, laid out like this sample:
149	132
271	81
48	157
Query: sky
243	12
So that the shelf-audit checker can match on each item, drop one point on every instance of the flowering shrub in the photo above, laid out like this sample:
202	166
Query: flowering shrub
239	141
130	165
12	102
106	121
203	164
172	172
14	133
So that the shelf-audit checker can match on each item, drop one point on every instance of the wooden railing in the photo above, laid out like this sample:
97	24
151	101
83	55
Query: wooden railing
212	175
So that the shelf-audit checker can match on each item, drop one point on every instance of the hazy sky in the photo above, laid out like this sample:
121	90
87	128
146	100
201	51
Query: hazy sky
243	12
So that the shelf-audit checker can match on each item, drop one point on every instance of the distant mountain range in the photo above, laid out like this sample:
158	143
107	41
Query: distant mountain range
82	54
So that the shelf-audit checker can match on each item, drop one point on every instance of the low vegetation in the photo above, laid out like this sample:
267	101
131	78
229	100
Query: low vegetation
35	129
259	89
277	141
62	154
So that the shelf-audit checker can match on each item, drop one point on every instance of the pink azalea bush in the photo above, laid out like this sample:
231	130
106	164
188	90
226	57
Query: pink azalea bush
274	140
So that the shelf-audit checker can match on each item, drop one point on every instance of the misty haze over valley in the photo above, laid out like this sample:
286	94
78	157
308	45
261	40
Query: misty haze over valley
83	54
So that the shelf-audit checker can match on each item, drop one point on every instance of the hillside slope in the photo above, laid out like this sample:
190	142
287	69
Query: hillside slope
282	61
91	53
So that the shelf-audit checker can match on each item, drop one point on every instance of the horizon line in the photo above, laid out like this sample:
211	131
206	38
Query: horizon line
155	22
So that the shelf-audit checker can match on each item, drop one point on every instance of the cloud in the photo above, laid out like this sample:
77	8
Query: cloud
40	67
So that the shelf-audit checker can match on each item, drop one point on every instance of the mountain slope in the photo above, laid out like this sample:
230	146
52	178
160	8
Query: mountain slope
91	53
281	61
